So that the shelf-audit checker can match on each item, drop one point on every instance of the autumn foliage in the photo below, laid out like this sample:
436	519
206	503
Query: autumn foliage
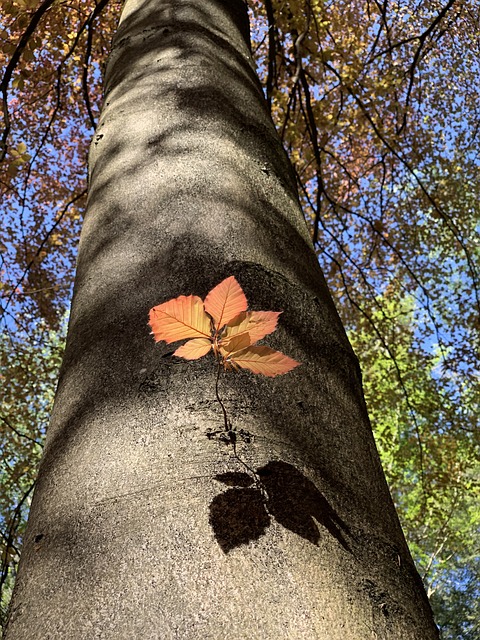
221	323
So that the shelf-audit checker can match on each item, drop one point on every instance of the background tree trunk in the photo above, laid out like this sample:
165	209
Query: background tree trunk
142	526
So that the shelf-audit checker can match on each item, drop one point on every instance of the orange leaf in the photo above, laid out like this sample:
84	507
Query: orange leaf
225	301
179	318
263	360
257	324
194	349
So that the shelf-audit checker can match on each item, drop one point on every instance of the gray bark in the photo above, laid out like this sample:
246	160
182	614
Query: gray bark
142	526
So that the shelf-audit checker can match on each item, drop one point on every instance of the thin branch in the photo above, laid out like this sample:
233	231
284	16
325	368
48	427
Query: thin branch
312	127
272	52
86	64
10	536
41	246
416	58
298	67
19	433
422	37
446	218
10	68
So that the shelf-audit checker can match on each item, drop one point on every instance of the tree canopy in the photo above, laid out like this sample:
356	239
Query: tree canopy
377	106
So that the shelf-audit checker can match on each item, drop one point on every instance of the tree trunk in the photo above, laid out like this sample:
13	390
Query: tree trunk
145	524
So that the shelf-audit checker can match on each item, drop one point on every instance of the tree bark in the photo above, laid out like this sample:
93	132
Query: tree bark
143	523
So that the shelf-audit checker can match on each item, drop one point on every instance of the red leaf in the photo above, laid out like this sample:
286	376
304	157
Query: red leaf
225	301
263	360
194	349
179	318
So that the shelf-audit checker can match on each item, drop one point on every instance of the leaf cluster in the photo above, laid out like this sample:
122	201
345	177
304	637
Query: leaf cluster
223	324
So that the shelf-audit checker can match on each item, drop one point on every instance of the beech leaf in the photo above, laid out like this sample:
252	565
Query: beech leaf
263	360
257	324
237	343
225	301
179	318
194	349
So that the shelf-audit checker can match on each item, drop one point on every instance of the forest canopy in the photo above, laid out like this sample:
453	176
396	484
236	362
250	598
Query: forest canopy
377	106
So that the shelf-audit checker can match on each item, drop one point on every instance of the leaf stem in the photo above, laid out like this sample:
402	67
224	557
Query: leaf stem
225	417
233	440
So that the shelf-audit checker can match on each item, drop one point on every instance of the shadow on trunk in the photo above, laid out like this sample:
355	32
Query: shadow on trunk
282	492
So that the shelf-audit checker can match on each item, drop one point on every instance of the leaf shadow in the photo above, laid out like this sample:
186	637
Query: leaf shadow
244	512
238	516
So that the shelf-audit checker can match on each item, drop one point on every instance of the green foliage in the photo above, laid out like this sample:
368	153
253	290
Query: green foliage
456	600
29	368
429	449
